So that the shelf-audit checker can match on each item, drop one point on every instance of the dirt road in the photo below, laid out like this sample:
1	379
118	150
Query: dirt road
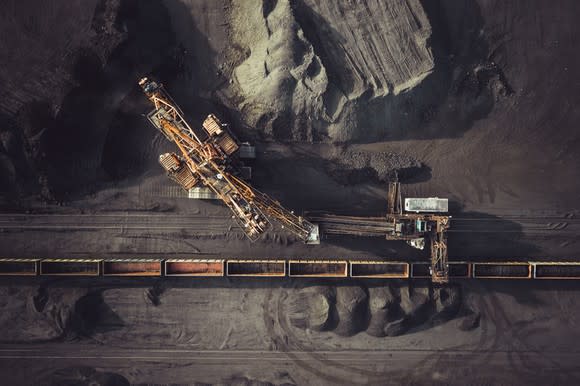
378	367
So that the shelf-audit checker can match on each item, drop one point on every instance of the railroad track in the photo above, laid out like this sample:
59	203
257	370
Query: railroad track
53	351
113	221
370	225
359	226
517	224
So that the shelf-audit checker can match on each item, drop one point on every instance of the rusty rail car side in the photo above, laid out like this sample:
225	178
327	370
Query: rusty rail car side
561	271
142	267
19	267
318	268
502	270
256	268
70	267
379	269
195	267
206	266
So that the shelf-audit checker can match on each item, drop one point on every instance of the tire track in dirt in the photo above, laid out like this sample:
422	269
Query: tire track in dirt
508	328
283	344
496	328
433	363
292	343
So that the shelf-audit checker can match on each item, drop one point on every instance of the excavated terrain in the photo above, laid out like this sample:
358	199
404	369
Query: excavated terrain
473	100
278	70
313	67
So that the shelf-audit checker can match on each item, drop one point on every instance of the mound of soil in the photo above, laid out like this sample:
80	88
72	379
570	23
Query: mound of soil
305	71
91	316
383	306
469	322
379	311
415	303
312	308
446	301
352	310
414	300
36	314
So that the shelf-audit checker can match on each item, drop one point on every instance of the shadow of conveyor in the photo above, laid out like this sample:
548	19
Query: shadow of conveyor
100	135
378	246
475	236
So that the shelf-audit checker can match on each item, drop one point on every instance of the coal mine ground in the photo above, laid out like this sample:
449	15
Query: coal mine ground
472	100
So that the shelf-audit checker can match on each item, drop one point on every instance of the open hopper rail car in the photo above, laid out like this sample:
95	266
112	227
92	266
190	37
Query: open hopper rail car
211	266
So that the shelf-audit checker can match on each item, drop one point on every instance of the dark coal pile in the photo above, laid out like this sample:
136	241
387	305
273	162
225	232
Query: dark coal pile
37	314
357	167
381	311
312	308
446	301
245	381
62	133
384	308
351	309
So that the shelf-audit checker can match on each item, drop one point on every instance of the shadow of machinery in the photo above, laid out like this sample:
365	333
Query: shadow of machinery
92	315
82	146
475	236
446	103
472	236
100	133
305	180
128	145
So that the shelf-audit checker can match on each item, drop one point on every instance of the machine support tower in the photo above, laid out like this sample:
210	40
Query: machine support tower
417	228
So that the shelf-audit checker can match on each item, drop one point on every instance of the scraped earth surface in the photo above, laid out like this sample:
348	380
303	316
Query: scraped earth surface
474	100
258	331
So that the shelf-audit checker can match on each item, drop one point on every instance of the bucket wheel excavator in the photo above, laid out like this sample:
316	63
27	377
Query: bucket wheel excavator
205	158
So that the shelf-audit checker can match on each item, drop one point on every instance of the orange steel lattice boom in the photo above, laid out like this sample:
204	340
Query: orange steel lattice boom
208	162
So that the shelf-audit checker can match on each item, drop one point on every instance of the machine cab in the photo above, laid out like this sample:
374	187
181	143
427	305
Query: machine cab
421	226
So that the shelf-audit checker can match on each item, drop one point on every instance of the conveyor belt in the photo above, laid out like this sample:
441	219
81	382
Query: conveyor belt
348	225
